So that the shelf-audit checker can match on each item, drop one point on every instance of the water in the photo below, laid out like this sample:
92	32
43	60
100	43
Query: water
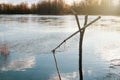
32	37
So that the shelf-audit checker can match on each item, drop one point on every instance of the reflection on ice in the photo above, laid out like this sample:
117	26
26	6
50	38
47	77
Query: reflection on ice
110	52
115	64
66	76
17	64
109	76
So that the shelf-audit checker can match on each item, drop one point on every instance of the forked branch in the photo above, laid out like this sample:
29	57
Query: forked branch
91	22
76	33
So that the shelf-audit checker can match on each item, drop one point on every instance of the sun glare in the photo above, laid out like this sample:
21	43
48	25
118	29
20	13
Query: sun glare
115	2
71	1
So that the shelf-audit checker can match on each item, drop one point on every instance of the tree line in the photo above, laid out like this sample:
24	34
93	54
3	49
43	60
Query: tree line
59	7
42	8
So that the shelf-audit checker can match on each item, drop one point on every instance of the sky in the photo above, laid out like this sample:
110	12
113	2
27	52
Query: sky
115	2
33	1
18	1
30	1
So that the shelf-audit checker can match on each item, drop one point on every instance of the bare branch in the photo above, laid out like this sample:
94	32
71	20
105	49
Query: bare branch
86	20
75	33
65	40
57	66
91	23
73	12
77	20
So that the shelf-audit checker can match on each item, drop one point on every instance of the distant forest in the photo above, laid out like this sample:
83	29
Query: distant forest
59	7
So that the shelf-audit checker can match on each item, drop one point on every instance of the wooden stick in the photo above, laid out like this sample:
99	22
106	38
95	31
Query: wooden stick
91	22
57	66
80	55
78	23
86	20
80	49
75	33
65	40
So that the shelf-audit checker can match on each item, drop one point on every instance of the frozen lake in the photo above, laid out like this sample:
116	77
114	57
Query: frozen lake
31	38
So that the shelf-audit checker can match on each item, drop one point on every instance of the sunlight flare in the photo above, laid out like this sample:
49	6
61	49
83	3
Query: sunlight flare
115	2
71	1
